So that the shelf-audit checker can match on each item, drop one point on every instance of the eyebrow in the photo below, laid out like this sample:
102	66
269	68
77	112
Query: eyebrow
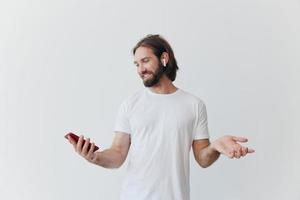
141	59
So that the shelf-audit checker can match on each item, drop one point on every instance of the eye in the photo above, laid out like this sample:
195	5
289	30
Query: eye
145	60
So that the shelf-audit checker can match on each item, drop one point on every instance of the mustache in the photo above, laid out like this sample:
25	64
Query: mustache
145	73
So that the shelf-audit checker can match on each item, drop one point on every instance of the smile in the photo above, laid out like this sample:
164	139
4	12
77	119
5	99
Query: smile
146	75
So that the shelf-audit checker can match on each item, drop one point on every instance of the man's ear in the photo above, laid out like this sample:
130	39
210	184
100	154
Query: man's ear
164	58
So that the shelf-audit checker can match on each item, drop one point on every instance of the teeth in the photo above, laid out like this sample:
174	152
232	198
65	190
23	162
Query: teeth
145	76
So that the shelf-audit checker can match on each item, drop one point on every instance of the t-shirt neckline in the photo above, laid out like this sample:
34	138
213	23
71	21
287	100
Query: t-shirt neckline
162	95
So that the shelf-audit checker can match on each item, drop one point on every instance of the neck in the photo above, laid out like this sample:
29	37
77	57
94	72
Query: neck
164	86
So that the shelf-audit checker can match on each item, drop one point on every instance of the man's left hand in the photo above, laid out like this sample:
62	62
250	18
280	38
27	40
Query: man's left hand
228	145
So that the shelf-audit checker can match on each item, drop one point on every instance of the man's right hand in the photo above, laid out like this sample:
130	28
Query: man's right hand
112	157
81	147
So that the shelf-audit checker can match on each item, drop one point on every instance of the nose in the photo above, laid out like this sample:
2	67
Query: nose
141	69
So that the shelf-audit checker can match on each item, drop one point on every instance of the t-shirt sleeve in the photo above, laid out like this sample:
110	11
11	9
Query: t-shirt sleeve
201	126
122	120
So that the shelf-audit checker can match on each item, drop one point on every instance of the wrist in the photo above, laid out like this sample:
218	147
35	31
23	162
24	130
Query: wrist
212	146
95	158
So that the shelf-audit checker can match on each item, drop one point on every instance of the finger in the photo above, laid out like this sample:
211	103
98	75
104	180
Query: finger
238	153
234	154
85	147
251	150
240	139
244	151
79	144
91	152
71	140
230	154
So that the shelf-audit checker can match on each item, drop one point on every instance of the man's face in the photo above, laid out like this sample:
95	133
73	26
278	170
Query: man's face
149	67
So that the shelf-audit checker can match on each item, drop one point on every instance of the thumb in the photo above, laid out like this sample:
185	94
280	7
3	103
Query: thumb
239	139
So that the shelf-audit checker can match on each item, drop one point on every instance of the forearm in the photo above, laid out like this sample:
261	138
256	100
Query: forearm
109	158
207	156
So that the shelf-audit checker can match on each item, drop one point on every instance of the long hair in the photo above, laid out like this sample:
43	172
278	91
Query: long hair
159	45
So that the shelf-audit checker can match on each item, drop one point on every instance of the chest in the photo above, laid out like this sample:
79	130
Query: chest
162	117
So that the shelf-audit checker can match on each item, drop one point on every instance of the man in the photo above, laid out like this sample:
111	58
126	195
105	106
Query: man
156	127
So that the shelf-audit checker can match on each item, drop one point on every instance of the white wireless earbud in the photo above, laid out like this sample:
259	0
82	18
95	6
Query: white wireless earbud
164	62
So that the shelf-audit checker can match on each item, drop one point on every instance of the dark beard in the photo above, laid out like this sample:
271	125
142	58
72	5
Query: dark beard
156	76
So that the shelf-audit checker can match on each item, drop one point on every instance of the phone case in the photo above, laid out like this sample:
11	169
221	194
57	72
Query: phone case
76	138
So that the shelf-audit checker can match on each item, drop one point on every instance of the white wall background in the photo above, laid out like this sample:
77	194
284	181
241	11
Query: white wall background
67	65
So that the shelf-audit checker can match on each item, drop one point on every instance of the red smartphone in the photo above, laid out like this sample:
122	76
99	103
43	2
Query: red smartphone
76	138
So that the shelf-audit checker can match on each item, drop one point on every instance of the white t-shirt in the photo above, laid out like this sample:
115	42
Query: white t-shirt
162	128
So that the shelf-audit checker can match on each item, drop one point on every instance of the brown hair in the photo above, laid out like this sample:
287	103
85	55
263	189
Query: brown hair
159	45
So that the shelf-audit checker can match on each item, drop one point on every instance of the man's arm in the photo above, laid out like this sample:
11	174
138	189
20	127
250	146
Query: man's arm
116	155
113	157
206	153
203	153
